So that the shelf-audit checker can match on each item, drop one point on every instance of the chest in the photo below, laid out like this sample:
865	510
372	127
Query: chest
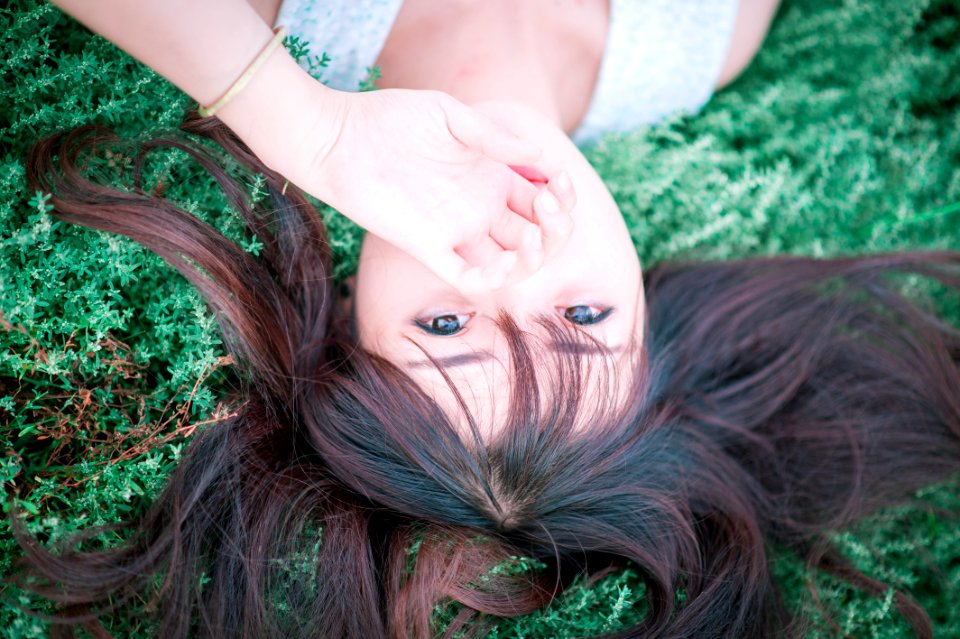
481	49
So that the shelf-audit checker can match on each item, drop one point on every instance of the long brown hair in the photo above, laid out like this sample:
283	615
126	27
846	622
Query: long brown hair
775	399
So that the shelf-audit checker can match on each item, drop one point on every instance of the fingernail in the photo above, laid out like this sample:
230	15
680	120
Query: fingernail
563	182
549	203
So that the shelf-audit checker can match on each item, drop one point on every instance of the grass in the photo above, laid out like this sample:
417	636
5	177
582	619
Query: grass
842	137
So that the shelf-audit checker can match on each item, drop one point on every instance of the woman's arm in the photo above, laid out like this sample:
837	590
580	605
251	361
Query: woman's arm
202	48
417	168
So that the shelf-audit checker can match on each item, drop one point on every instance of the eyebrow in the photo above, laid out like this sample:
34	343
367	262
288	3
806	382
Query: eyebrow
477	357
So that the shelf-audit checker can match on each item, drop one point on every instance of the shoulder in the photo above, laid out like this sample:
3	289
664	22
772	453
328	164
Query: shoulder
751	26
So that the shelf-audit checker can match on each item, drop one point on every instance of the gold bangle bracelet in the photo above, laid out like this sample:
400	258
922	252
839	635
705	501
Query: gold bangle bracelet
278	35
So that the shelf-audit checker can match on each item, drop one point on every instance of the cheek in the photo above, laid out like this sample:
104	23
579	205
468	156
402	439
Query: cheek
602	256
369	333
375	293
641	314
391	288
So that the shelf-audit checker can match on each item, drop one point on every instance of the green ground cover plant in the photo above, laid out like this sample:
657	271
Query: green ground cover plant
843	137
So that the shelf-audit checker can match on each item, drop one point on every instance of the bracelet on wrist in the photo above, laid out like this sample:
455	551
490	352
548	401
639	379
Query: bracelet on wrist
278	35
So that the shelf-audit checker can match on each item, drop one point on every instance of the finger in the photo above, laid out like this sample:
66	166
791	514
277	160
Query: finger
549	207
469	278
554	214
480	251
556	225
523	191
520	197
562	187
447	265
494	141
494	261
491	276
503	146
514	232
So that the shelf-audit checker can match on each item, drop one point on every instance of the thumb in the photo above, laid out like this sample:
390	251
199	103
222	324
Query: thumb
483	135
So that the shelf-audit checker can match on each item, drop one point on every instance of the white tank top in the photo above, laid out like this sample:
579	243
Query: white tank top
662	56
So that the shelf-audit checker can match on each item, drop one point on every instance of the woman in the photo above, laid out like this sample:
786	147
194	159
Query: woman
757	401
544	61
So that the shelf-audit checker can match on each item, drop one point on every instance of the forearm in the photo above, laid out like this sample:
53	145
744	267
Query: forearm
202	48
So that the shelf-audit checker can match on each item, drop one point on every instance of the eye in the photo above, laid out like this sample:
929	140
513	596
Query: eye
443	325
586	315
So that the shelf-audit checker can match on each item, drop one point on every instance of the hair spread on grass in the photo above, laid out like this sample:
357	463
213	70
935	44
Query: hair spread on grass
775	400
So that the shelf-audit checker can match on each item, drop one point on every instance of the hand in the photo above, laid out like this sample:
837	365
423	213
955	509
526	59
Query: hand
430	175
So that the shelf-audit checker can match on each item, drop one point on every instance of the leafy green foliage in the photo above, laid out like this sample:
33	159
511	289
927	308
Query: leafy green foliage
842	137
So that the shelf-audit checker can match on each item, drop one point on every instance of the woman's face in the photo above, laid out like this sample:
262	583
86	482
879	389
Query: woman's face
593	282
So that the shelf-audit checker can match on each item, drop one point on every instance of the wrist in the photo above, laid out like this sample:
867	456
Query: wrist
286	117
241	82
